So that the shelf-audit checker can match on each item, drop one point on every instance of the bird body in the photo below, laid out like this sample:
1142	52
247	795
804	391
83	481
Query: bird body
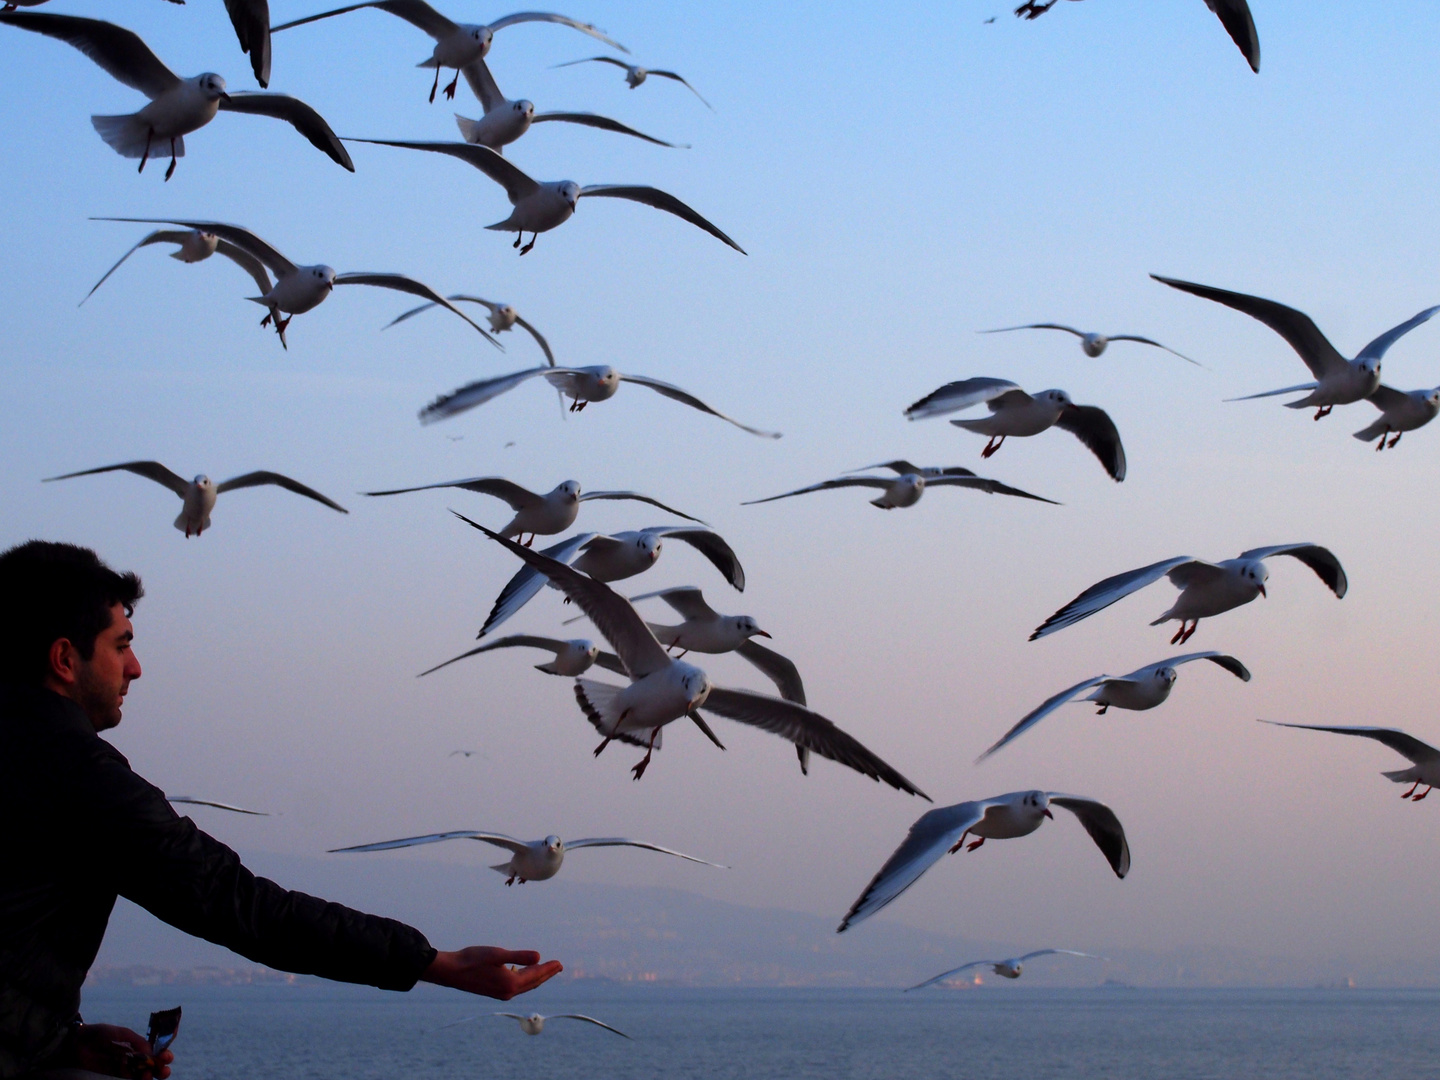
197	502
908	485
1400	411
573	657
720	634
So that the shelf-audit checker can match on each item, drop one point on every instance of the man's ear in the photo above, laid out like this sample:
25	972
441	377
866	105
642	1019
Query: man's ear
64	662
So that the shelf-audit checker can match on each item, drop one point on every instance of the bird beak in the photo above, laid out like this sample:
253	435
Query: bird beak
224	96
1263	592
762	633
1048	814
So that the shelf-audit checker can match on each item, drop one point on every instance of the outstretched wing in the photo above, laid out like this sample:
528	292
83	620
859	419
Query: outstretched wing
517	497
963	967
980	483
191	800
1093	427
251	19
1377	348
528	581
528	641
778	669
1037	326
298	115
1401	743
401	283
1033	717
416	12
674	393
1151	341
498	839
620	841
263	476
1229	663
1322	560
682	82
546	16
686	599
247	262
588	1020
119	52
482	82
604	123
516	184
827	485
483	390
151	470
635	496
1103	826
241	238
660	200
952	397
159	236
710	544
1235	16
1104	593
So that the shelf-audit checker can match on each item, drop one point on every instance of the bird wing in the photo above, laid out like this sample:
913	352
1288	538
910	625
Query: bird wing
1151	341
604	123
1322	560
247	262
415	12
516	184
595	59
517	497
528	641
483	84
539	339
521	588
297	114
611	613
1036	326
1297	328
1104	593
1102	825
481	391
682	82
588	1020
710	544
190	800
980	483
952	397
660	200
674	393
1235	16
826	485
1229	663
455	297
1034	716
159	236
1093	427
498	839
251	19
620	841
151	470
635	496
119	52
806	729
545	16
929	838
1401	743
264	476
401	283
611	662
686	599
778	669
241	238
963	967
1384	398
899	466
1276	393
1377	348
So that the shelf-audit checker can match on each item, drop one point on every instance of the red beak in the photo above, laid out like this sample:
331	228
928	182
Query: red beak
761	633
1263	592
1048	814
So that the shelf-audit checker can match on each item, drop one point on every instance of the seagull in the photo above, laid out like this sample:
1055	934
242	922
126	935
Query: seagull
1009	969
194	246
457	45
663	689
1234	15
613	557
1400	411
541	206
1426	769
581	385
1339	381
1142	689
191	800
462	753
1206	589
1093	344
906	488
505	120
177	106
573	657
199	495
1004	817
536	514
635	75
502	317
1014	412
534	1024
297	289
530	860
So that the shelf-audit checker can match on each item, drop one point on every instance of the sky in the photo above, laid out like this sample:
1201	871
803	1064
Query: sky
901	179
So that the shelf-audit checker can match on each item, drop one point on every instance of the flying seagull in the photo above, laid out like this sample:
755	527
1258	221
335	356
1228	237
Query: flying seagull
1014	412
177	106
530	860
573	657
1400	411
1142	689
1338	381
1004	817
502	317
191	800
199	495
192	246
1426	768
534	1023
663	689
457	45
536	514
1009	969
1234	15
1093	344
635	75
1206	589
542	206
298	289
897	492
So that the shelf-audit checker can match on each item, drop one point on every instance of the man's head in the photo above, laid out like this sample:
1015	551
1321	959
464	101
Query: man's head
66	626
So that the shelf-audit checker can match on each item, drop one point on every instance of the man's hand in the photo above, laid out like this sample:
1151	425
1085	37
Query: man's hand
481	969
115	1051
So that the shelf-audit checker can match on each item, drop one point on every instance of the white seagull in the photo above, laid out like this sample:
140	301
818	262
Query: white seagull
1004	817
1014	412
635	75
1426	758
298	289
573	657
457	45
534	1023
663	689
1400	411
191	800
537	514
1338	381
906	488
581	385
530	860
1093	344
1206	589
502	317
613	557
199	495
1009	969
1142	689
193	246
542	206
1234	15
177	106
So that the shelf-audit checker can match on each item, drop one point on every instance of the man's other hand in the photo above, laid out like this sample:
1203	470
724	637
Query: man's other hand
482	969
116	1051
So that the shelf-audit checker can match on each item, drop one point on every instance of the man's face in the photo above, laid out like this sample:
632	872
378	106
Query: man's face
101	682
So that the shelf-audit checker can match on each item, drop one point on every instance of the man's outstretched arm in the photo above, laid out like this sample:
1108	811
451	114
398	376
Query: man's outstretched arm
482	969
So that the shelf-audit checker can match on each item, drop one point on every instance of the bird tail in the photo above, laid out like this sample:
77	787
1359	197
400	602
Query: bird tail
1399	776
128	136
469	129
978	425
598	701
549	668
501	868
1374	431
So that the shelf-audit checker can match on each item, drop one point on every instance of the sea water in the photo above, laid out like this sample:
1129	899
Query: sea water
349	1033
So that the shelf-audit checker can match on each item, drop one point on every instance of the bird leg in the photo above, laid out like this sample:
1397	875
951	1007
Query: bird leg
1320	414
613	732
531	244
146	155
975	844
639	769
1396	439
960	843
171	170
1102	710
518	236
996	441
436	86
1411	791
529	542
510	881
1417	798
449	90
1183	634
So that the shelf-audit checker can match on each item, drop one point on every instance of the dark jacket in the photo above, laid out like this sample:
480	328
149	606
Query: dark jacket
78	828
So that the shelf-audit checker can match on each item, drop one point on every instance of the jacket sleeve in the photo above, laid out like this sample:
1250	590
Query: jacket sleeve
186	878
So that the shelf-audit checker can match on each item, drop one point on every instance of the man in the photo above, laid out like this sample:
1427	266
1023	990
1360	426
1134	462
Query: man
78	828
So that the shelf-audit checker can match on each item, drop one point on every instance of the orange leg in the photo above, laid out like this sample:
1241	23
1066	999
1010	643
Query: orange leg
639	769
996	441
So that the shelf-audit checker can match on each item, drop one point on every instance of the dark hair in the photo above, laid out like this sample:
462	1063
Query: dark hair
52	591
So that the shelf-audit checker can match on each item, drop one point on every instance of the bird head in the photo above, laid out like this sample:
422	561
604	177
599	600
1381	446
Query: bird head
553	845
568	492
1009	969
697	687
1057	397
586	646
1370	367
1256	573
1433	398
482	36
1038	800
570	192
503	317
748	627
524	108
1167	675
607	380
913	480
212	86
203	482
649	545
325	275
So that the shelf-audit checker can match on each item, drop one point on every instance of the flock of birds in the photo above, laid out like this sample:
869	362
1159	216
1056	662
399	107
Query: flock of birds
659	685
